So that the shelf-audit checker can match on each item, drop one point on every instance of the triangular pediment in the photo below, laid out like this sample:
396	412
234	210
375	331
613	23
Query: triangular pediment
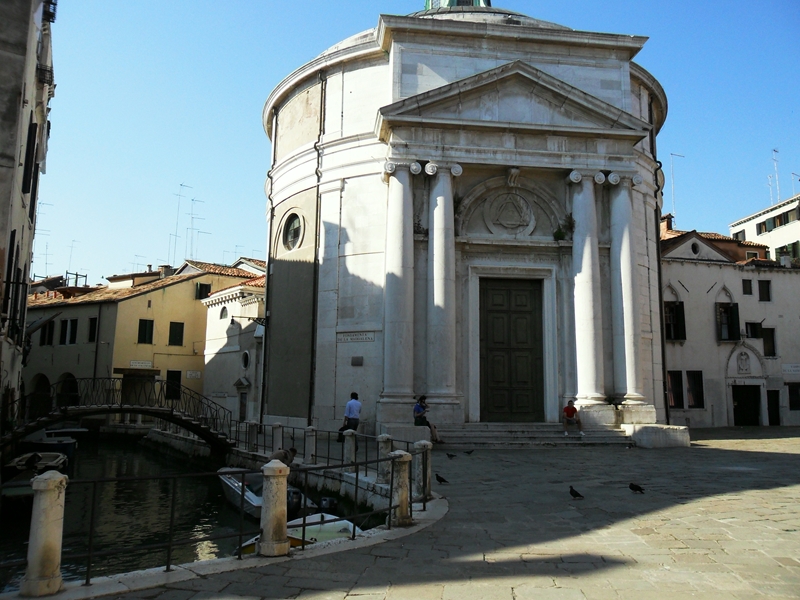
513	96
693	246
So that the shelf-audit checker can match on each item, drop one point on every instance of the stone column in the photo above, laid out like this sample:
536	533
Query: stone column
401	493
422	469
310	446
274	541
441	373
385	445
624	295
277	437
398	297
43	574
588	309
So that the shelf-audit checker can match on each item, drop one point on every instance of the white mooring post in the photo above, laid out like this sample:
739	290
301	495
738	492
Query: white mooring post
277	437
310	446
349	450
401	492
43	575
274	541
385	446
422	469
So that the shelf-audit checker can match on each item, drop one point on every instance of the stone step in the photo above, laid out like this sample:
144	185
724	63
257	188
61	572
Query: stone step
526	435
572	441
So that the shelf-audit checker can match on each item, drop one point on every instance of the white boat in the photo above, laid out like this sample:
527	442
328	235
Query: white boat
320	527
253	485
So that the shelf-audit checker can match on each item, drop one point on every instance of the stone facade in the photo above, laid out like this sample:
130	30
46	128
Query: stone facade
26	87
732	335
442	164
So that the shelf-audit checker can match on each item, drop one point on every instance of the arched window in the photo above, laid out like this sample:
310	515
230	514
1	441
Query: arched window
223	314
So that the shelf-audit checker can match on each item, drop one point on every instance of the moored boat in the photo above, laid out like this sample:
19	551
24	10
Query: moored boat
320	527
231	480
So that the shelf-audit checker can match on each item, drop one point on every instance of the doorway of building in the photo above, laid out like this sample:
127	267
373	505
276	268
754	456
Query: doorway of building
746	405
774	407
512	350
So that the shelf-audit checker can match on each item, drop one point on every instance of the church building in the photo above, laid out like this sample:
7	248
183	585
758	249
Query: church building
464	202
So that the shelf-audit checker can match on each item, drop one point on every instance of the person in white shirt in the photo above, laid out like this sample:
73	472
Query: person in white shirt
352	414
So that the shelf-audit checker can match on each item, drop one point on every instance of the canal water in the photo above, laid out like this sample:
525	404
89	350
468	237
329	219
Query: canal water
128	514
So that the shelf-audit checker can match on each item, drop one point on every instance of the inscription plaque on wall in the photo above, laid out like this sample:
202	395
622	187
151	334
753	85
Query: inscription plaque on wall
355	336
791	369
192	374
141	364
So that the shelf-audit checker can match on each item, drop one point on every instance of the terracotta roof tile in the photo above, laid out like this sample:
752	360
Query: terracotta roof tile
219	269
258	282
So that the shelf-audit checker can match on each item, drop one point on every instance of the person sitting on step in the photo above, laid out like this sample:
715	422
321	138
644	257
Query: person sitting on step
571	417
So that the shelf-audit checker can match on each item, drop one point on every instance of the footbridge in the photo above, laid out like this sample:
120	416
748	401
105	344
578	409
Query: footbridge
73	399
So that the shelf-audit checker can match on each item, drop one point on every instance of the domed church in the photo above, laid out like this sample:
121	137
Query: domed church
464	203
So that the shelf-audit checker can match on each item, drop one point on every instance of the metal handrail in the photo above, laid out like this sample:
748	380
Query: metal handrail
91	554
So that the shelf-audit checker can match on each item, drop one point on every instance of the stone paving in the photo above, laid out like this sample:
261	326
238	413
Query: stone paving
717	520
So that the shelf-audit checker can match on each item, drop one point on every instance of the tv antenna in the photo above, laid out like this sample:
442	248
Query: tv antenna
199	233
71	248
777	179
769	183
177	219
794	175
672	181
192	228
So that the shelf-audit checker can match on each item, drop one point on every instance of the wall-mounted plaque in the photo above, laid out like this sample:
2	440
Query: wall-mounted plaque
355	336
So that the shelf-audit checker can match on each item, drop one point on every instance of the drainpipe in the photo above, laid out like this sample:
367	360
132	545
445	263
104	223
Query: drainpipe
318	147
657	215
266	339
97	341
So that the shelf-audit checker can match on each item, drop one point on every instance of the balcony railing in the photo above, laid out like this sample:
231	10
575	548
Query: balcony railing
44	75
49	10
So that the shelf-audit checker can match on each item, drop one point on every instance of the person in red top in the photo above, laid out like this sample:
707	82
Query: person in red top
571	417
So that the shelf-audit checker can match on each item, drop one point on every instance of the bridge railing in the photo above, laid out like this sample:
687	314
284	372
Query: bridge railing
120	393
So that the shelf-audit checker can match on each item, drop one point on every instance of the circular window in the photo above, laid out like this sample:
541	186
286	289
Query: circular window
245	359
223	314
695	248
292	231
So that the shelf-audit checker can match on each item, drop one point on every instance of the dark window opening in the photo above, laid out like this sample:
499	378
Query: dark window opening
747	287
202	291
173	389
694	389
752	330
727	321
739	235
145	331
46	334
768	334
291	232
92	329
675	389
764	291
69	332
30	157
176	334
674	321
794	396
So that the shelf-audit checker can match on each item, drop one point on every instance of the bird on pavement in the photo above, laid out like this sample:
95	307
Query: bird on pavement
636	488
450	455
468	452
575	493
441	479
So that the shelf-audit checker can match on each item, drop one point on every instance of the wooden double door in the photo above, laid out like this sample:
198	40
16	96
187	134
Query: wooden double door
512	350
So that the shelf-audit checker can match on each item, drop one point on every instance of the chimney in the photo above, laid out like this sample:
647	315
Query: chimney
149	268
666	223
165	270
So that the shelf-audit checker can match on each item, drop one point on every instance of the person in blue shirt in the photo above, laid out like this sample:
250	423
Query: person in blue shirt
420	420
352	414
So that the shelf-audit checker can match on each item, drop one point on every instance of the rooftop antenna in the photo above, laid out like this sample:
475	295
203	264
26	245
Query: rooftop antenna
46	256
672	181
777	179
177	219
71	247
793	177
192	228
769	183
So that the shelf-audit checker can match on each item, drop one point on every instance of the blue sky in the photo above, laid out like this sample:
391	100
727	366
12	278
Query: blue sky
153	94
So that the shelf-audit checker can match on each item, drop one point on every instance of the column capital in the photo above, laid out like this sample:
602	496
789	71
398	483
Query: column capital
456	170
431	168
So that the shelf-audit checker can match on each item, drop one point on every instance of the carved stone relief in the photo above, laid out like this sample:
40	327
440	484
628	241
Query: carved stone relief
509	214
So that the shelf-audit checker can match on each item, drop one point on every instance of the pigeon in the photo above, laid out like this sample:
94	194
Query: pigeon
636	488
575	493
441	479
450	455
468	452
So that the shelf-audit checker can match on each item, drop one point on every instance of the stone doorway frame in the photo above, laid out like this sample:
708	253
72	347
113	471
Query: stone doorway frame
547	274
